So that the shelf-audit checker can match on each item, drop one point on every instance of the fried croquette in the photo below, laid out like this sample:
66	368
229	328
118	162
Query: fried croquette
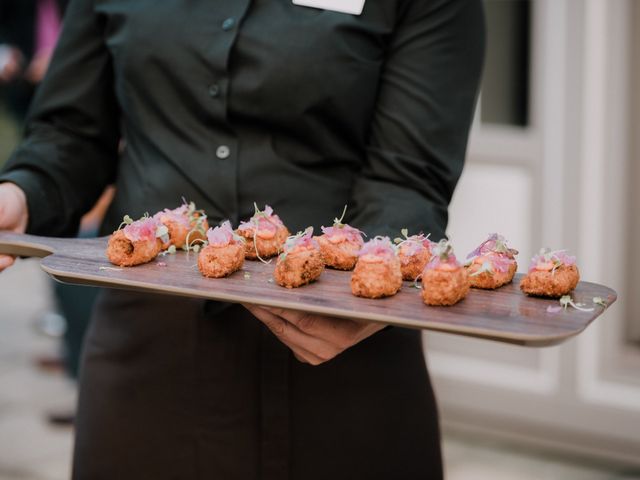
340	244
300	262
481	275
377	272
264	233
444	280
414	253
135	244
224	253
551	274
492	264
185	225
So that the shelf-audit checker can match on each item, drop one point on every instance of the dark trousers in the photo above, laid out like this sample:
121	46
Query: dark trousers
175	388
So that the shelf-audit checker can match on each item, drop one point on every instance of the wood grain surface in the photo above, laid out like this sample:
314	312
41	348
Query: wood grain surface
504	315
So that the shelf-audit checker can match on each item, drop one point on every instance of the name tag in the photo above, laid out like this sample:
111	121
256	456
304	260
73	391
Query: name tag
353	7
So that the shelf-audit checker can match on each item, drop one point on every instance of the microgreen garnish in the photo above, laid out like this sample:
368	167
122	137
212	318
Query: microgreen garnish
290	242
194	245
405	233
443	250
255	245
126	220
501	246
197	220
337	222
162	232
415	239
486	267
550	256
566	300
255	220
600	301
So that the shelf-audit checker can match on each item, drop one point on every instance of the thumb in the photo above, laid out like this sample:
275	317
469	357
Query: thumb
13	208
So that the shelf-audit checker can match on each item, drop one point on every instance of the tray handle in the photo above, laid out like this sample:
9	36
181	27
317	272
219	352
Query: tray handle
30	245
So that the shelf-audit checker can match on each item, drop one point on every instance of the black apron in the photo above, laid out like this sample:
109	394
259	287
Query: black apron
175	388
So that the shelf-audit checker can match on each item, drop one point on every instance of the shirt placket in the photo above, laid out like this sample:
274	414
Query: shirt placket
225	147
274	366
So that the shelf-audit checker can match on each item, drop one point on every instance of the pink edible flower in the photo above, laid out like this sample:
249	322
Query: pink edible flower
349	233
303	240
495	251
222	235
442	254
495	244
499	263
555	257
414	244
378	246
262	220
143	229
178	215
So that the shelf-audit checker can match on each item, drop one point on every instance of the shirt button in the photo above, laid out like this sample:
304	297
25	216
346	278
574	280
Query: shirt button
214	90
228	24
223	152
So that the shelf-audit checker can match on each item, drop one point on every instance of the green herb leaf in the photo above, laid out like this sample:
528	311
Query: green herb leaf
337	222
566	300
486	267
600	301
162	231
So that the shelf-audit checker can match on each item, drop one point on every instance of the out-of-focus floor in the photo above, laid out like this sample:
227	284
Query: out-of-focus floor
31	449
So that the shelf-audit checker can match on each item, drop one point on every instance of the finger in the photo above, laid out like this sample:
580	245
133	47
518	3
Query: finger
6	261
312	350
340	332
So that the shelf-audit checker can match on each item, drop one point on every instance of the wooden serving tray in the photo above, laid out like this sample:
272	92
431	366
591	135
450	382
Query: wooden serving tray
504	315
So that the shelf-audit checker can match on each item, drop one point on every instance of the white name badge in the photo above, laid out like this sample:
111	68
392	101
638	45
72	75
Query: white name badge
353	7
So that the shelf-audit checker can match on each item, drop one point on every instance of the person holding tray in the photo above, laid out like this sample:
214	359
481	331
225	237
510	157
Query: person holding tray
227	103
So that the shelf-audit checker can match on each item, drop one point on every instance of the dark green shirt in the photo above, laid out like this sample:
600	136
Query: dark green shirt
227	102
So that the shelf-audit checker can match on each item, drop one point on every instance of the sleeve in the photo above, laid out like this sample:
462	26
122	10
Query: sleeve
5	13
69	152
420	126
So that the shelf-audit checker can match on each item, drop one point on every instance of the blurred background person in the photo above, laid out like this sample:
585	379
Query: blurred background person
29	30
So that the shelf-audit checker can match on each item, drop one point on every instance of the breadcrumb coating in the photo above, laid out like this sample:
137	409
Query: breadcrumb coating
298	267
551	283
490	280
265	246
342	255
221	261
444	287
376	279
126	253
412	265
